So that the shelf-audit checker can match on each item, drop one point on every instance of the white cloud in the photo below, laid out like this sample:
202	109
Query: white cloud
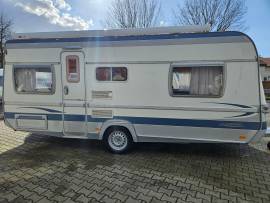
55	11
62	4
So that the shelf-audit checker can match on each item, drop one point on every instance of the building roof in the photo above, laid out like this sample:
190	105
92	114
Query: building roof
265	62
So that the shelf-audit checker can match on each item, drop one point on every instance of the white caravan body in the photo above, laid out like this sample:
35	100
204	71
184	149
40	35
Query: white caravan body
162	85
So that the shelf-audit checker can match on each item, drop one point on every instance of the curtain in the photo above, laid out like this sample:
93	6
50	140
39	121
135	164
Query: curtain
206	81
181	79
25	79
198	80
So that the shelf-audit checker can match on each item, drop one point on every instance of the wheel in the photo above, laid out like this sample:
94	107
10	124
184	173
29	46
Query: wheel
118	140
268	145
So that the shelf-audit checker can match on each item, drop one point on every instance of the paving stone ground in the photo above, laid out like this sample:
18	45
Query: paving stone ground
36	168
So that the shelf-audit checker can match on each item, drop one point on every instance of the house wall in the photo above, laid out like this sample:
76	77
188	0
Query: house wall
265	73
265	76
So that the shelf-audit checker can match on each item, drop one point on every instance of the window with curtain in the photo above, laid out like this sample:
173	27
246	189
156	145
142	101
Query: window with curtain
33	80
197	81
111	73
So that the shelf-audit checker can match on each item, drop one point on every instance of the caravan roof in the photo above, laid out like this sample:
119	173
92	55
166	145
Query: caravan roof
114	32
125	37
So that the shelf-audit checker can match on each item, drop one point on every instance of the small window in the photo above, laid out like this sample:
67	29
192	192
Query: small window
73	69
111	74
197	81
119	74
33	80
103	74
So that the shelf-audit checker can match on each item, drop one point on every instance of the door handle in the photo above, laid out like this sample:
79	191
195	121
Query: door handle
65	90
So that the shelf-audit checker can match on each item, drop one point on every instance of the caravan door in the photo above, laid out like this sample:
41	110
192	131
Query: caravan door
74	115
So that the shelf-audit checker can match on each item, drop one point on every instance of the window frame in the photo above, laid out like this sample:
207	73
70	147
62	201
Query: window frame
67	68
202	65
36	66
111	81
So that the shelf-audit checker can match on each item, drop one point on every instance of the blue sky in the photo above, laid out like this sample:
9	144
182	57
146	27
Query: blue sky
55	15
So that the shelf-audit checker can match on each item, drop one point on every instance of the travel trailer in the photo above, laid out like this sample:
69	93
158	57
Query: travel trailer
170	84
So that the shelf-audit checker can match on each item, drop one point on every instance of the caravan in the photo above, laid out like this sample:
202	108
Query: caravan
175	84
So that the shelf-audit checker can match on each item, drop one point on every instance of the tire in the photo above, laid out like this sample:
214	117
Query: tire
268	145
118	140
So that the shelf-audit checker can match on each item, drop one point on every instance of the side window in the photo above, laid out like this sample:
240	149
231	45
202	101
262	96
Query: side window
34	80
73	69
111	74
119	74
103	74
197	81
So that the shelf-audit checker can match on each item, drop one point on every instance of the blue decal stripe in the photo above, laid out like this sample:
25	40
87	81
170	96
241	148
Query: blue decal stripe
52	117
242	115
230	104
238	105
31	117
129	38
44	109
68	117
158	121
264	125
186	122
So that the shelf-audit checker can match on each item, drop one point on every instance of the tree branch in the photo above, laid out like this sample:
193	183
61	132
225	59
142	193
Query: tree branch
221	15
133	13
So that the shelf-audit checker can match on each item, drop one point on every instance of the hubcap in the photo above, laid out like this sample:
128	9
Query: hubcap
118	140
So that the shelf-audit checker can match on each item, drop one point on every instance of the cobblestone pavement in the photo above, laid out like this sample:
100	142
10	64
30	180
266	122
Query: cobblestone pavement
41	169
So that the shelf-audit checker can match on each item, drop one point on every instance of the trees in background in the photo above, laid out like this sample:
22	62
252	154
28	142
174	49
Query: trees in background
221	15
133	13
5	32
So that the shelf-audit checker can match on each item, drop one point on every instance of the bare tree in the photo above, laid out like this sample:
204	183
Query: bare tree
221	15
5	32
133	13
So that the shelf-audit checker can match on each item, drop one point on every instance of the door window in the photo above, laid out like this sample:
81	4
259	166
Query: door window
73	69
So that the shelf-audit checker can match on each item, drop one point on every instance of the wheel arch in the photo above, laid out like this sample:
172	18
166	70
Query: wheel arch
118	123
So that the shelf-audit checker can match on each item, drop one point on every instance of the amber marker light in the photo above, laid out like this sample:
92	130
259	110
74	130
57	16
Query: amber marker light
242	137
97	130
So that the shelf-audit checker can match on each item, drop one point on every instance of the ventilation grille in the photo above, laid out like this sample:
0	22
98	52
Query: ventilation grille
102	113
101	94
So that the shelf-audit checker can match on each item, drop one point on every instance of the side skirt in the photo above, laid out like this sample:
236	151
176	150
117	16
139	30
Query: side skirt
181	140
